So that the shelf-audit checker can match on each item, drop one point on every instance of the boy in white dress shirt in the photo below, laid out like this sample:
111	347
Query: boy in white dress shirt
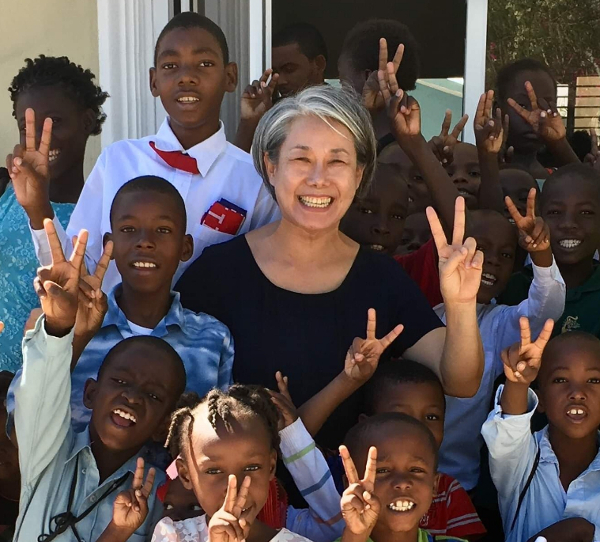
224	195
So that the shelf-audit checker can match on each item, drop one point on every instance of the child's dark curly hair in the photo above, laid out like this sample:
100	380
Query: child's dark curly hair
238	400
46	71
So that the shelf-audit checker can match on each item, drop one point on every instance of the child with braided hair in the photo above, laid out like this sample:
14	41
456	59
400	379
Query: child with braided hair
228	448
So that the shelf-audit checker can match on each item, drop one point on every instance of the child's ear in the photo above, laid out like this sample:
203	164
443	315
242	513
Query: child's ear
541	406
153	87
321	63
436	482
273	465
105	239
89	392
184	474
187	250
231	77
89	121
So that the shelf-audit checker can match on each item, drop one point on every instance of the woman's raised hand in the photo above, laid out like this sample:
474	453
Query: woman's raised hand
460	263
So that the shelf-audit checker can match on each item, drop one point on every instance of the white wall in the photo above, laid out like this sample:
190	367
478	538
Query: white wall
51	27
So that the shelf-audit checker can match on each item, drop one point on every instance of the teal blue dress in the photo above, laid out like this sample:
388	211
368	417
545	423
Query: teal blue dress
18	265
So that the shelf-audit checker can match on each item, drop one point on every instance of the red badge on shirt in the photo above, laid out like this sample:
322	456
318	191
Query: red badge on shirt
225	217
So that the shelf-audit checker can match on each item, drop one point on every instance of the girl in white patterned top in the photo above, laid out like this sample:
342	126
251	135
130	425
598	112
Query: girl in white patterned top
228	452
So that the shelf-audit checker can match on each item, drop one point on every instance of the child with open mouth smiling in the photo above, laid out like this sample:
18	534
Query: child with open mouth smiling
548	482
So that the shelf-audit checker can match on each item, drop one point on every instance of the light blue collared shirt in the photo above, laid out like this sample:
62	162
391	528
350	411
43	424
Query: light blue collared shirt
512	454
499	328
203	342
52	455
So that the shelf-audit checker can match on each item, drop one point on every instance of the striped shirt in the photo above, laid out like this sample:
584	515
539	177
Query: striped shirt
451	512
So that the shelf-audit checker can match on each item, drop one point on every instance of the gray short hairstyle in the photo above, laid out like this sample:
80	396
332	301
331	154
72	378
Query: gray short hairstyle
327	103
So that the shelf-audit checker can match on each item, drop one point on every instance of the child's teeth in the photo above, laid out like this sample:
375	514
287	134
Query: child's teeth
488	279
576	412
144	264
125	415
187	99
401	506
569	243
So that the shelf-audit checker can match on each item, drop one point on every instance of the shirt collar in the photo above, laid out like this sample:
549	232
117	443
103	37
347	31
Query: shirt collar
547	454
206	152
82	440
116	317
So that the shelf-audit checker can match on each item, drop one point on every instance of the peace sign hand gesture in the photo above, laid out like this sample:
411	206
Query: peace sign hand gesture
443	144
522	360
371	93
257	98
534	234
593	157
489	130
543	116
288	413
360	507
403	110
92	302
228	524
131	506
363	356
28	167
460	263
57	285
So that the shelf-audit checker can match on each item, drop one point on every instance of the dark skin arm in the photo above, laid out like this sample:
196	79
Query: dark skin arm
521	366
257	99
361	361
488	135
406	128
568	530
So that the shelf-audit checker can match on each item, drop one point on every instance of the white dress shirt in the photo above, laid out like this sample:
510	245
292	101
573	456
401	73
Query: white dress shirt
226	173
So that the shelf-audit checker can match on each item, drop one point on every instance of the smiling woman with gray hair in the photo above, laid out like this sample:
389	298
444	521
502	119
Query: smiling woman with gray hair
296	293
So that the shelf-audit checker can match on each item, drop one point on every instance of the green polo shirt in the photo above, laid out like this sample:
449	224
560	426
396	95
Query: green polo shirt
582	304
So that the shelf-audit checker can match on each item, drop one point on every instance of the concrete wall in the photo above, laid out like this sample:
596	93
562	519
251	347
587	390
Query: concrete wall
51	27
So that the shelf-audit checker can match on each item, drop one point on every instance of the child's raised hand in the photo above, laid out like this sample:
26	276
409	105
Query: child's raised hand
360	506
283	401
443	145
489	130
534	234
363	356
522	360
93	304
131	506
403	110
257	97
460	263
543	117
593	157
28	167
57	285
228	523
371	94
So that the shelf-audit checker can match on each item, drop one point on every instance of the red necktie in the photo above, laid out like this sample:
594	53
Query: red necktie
177	159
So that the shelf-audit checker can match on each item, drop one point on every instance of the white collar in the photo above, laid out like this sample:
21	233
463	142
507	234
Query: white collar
206	152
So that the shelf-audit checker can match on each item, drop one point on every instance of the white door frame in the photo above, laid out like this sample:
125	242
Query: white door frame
127	32
475	58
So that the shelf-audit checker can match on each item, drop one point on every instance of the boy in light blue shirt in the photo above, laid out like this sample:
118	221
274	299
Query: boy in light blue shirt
549	482
69	480
148	221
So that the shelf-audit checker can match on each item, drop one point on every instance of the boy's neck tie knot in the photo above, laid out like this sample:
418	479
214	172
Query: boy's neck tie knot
178	160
